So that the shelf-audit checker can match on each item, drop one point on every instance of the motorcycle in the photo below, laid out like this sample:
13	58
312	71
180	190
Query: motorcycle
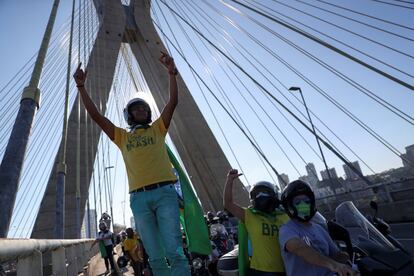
219	243
199	264
384	227
371	252
219	236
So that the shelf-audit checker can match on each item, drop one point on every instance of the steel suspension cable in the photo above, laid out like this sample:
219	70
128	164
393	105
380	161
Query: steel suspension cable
214	115
275	99
392	4
366	15
331	47
231	106
334	39
357	21
253	110
256	61
283	95
347	30
343	109
221	104
403	115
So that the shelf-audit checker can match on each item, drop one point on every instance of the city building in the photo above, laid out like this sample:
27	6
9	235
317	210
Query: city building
408	157
283	180
332	172
312	175
86	229
349	173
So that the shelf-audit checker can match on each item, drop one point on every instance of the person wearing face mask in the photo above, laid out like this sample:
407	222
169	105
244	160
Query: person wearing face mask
105	246
262	221
307	249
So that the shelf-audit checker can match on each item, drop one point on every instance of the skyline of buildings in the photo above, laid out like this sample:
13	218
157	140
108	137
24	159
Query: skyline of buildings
350	180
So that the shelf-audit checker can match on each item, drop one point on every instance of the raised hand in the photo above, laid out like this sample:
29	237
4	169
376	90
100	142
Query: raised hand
168	62
233	174
80	76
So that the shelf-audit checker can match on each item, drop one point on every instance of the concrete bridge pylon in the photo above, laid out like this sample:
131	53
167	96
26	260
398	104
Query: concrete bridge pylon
199	150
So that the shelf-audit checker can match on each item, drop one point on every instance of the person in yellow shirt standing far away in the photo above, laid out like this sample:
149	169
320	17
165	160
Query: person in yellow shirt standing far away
134	251
262	222
153	198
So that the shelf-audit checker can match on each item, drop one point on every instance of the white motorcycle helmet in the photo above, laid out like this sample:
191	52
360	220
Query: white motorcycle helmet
135	101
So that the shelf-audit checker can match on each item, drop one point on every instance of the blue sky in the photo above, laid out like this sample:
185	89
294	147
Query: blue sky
23	23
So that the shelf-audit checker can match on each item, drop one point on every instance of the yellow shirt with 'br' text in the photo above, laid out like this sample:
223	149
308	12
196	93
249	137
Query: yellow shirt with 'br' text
263	231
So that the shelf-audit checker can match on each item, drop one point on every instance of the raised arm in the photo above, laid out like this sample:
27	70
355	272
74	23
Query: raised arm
169	108
301	249
106	125
228	202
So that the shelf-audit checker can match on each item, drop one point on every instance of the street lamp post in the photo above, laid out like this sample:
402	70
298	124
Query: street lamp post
123	210
292	89
109	191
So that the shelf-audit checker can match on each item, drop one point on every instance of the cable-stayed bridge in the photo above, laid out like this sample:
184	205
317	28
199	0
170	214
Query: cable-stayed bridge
237	62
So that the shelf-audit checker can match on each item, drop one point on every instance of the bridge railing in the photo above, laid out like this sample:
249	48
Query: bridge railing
395	200
68	257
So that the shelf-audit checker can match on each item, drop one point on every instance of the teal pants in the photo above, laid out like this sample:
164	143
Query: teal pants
156	215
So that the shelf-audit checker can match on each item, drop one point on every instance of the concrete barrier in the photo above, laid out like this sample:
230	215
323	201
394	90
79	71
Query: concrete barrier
68	256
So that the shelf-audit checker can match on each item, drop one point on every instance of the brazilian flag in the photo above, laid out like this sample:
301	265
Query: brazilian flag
102	249
191	214
243	259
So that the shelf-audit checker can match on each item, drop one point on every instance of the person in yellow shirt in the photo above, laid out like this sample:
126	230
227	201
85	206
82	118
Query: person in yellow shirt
134	251
262	221
153	198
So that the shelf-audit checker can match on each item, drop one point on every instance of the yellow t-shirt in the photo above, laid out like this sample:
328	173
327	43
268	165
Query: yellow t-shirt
145	155
263	233
129	245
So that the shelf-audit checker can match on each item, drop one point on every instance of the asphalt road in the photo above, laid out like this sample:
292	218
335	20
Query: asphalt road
404	232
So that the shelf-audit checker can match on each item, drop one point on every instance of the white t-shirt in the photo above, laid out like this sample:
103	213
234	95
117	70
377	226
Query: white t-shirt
107	236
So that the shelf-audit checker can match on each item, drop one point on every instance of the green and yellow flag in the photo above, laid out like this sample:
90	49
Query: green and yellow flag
191	213
243	259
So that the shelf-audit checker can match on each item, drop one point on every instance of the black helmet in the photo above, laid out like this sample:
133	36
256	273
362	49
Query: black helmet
264	196
295	188
263	184
222	215
136	101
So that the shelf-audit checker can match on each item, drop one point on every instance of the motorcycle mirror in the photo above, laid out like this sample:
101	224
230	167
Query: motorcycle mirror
340	233
374	206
